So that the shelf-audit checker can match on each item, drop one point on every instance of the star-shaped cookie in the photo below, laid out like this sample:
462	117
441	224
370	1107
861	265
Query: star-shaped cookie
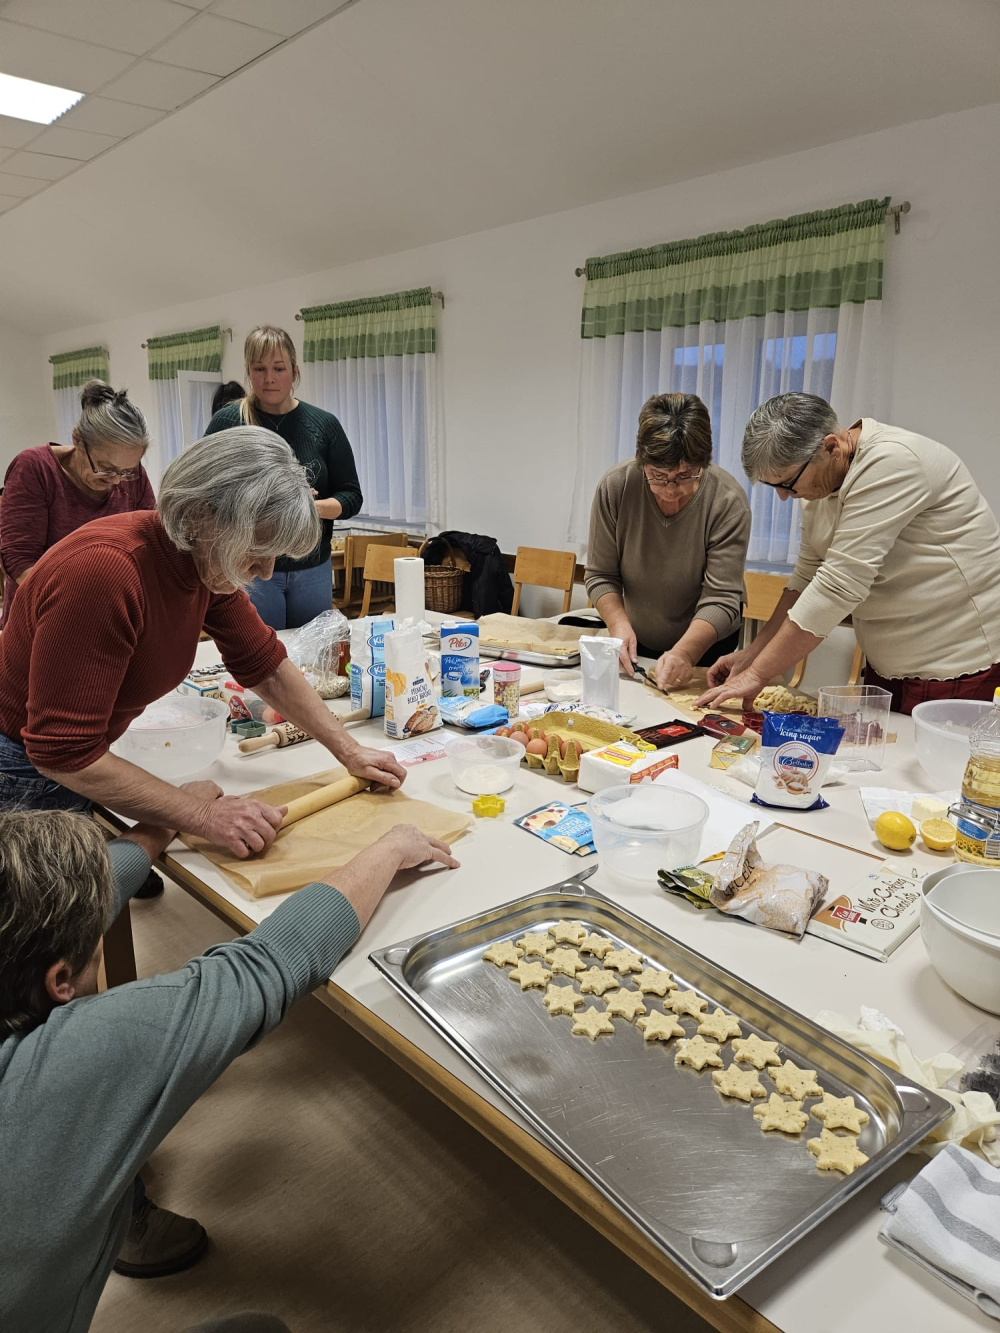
623	960
625	1004
752	1051
567	932
535	945
596	980
502	953
529	974
686	1002
566	961
591	1023
792	1081
697	1052
719	1026
562	1000
653	981
741	1083
836	1152
598	945
840	1113
659	1027
776	1113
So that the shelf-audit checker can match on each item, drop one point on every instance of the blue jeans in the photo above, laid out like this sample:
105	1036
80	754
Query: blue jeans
288	600
22	787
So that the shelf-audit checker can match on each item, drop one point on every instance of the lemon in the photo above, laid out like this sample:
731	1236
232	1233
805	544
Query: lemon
895	831
938	834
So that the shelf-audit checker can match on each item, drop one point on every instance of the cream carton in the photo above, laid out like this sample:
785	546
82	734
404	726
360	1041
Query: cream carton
460	659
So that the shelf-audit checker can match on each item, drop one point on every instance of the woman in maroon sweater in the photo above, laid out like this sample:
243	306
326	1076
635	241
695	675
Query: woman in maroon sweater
54	489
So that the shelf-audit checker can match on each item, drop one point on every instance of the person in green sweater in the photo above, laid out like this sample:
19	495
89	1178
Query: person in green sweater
91	1083
668	541
298	590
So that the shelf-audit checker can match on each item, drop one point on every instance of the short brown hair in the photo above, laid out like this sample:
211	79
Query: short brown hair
56	897
674	428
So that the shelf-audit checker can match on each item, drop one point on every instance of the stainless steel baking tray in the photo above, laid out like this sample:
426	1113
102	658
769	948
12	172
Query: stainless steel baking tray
690	1168
530	659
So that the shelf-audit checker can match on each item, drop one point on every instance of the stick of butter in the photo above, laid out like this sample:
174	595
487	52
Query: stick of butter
928	807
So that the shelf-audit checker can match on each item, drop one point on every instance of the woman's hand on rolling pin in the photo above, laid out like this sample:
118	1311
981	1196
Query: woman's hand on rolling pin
240	824
416	848
379	767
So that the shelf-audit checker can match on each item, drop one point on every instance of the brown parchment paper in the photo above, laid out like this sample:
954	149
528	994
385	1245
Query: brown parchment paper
534	636
322	842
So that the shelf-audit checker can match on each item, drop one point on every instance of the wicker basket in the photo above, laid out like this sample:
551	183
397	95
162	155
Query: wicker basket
443	584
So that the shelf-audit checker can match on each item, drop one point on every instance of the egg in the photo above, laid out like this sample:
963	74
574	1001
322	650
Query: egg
502	731
538	747
520	737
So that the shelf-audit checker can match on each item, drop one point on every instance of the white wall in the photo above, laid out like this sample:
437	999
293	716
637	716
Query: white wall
27	413
509	333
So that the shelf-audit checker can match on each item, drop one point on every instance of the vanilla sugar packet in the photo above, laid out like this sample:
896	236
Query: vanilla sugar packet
780	897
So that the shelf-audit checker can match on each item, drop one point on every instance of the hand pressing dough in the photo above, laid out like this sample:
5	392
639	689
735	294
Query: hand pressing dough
539	946
591	1023
562	1000
596	980
743	1084
625	1004
756	1052
697	1052
836	1152
502	953
776	1113
530	974
841	1113
659	1027
719	1026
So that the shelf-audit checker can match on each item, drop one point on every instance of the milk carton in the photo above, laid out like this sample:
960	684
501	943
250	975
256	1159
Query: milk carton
460	659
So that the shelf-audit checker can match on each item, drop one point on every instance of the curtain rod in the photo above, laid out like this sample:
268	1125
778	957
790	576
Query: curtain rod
893	211
435	296
222	331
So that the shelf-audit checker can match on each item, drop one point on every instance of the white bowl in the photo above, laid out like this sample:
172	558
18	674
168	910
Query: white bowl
563	687
965	954
641	829
484	765
941	735
176	736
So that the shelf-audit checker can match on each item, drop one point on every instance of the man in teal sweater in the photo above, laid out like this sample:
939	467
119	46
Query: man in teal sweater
91	1083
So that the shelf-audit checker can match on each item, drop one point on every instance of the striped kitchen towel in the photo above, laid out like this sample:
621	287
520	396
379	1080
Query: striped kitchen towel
948	1220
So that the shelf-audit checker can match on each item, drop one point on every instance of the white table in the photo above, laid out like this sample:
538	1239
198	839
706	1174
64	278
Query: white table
837	1278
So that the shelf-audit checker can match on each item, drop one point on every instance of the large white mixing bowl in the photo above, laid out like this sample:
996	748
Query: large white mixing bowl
941	736
958	921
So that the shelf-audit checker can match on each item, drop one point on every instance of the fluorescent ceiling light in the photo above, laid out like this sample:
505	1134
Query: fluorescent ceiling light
28	100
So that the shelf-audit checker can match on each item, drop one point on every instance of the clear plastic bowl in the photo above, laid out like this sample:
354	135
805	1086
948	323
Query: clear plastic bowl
641	829
176	736
941	736
484	765
563	687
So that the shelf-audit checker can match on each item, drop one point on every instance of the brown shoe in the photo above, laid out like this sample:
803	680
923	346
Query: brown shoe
159	1242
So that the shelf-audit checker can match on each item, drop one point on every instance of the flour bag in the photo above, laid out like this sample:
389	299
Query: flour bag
410	706
599	669
368	665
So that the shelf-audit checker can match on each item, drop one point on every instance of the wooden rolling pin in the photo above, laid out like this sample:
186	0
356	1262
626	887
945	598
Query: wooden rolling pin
323	797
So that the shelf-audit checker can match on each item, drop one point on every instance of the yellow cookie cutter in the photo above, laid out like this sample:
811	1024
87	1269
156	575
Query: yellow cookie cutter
488	807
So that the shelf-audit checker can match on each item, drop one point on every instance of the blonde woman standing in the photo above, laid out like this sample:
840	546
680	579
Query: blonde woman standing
299	589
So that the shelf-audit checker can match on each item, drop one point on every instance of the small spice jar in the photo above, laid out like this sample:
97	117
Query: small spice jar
507	687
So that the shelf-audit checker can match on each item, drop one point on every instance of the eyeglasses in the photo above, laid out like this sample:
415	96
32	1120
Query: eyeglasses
682	478
124	473
789	486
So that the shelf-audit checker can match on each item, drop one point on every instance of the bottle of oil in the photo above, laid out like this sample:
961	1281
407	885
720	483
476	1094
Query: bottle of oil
979	820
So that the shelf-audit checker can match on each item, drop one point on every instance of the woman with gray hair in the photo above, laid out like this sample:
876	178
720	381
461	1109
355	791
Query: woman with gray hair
109	619
52	490
896	535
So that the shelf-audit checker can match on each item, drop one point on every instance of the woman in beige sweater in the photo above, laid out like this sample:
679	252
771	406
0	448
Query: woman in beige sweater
896	535
668	538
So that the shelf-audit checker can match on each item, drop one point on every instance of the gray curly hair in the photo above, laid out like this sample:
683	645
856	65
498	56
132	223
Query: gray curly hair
785	432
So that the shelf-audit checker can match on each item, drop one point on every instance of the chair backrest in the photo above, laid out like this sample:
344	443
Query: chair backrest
379	568
356	547
763	594
540	568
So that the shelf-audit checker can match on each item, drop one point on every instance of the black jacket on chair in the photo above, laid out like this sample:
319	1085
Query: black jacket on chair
487	586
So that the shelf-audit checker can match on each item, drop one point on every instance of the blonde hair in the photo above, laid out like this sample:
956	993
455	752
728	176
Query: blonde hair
56	897
107	416
264	340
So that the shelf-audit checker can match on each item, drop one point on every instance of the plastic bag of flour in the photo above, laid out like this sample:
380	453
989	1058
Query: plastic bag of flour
795	756
368	665
779	897
410	706
599	669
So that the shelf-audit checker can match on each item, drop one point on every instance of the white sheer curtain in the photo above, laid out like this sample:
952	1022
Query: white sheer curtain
184	370
732	364
70	371
67	413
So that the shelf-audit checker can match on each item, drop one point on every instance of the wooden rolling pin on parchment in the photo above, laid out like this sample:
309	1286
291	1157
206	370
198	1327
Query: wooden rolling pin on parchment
323	797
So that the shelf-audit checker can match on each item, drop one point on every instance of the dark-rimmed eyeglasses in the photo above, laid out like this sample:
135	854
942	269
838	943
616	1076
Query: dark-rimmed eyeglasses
124	473
789	486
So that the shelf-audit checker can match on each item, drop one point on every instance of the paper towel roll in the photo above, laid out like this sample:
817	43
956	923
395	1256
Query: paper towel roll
409	571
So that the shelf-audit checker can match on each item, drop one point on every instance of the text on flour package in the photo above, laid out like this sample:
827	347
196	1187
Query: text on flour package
410	706
368	664
795	754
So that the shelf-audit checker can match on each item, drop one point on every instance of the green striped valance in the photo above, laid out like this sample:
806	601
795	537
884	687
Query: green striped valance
400	324
810	261
71	369
200	349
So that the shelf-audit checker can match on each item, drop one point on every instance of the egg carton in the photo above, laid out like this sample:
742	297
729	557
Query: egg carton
588	732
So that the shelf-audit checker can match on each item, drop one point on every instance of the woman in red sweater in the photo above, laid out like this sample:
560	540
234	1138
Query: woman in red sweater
52	490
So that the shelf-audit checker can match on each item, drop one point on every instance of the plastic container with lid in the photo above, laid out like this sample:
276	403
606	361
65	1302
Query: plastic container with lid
641	829
507	687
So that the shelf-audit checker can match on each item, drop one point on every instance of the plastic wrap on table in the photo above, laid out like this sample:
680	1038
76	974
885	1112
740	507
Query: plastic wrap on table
322	649
780	897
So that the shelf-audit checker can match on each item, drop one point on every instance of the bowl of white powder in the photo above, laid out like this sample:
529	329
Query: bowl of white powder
484	765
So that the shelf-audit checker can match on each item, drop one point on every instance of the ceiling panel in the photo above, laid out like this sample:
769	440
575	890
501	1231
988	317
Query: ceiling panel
40	166
216	46
20	187
125	25
163	86
288	17
102	116
30	54
79	144
15	133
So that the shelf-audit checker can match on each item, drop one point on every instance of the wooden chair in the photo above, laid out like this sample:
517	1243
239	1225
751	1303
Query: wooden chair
763	595
355	550
379	568
544	569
